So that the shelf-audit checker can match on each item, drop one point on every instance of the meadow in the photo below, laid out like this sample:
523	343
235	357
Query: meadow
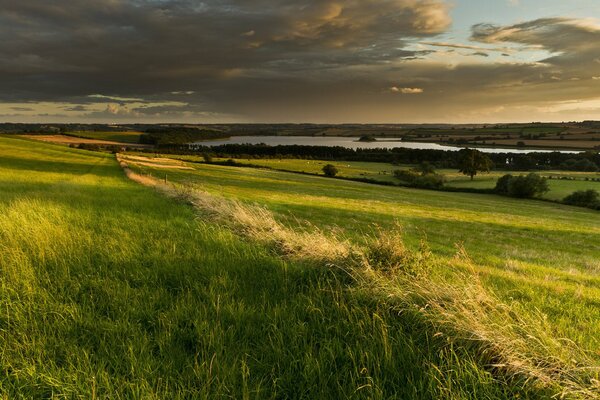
562	184
111	289
544	255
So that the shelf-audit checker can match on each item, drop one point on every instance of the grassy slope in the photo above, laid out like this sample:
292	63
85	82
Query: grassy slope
543	255
123	137
112	291
559	189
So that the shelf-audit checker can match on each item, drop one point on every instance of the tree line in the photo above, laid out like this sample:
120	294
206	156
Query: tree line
585	161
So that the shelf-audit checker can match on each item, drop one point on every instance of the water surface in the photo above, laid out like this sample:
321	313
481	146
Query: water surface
353	143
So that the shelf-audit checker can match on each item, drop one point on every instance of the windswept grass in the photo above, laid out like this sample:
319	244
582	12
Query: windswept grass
539	255
110	290
507	338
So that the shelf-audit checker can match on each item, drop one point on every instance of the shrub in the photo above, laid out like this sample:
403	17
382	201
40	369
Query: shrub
522	186
430	181
330	170
406	175
420	178
207	157
502	184
388	255
584	198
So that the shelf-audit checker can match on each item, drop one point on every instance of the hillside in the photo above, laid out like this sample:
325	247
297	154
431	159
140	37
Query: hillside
116	290
533	255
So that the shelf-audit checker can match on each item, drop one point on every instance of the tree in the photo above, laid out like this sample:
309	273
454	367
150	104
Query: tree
473	161
584	198
330	170
524	186
207	157
503	183
530	185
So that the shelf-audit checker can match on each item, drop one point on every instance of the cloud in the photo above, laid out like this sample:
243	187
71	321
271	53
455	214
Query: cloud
284	60
129	50
406	90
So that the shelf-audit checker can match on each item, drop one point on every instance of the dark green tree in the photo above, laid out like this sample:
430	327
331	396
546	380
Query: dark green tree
330	170
473	161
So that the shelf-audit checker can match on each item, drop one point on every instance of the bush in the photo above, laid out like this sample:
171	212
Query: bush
522	186
502	184
413	177
207	157
584	198
406	175
330	170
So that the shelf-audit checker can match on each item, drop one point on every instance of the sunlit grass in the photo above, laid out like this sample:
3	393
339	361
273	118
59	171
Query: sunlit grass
544	256
110	290
559	188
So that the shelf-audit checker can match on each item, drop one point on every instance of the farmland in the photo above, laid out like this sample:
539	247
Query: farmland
561	183
114	290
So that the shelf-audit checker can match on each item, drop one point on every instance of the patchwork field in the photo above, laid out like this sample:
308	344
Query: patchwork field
115	290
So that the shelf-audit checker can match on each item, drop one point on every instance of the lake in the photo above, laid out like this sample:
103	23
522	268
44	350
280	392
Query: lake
353	143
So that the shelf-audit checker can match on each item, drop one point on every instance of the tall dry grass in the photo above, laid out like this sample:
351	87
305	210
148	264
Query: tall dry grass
514	343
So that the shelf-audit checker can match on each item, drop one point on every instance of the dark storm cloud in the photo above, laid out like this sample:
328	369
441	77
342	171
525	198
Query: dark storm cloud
68	49
574	44
313	60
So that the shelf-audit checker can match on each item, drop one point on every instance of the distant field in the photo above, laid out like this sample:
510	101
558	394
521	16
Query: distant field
542	255
122	137
559	189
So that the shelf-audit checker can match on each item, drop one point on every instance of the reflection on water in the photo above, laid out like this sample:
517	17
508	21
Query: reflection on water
353	143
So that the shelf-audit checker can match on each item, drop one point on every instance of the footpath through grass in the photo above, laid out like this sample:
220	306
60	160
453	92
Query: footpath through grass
110	290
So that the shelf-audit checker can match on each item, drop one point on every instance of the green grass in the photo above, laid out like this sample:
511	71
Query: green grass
110	290
122	137
542	255
559	188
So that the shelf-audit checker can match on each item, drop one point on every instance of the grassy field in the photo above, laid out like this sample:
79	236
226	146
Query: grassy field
111	290
122	137
545	256
559	188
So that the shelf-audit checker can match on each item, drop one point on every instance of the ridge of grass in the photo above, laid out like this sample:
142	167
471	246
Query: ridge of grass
508	339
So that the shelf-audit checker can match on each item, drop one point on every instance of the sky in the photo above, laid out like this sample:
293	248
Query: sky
319	61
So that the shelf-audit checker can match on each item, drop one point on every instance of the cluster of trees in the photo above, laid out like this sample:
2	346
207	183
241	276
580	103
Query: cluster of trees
522	186
582	164
179	136
422	176
439	158
584	198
